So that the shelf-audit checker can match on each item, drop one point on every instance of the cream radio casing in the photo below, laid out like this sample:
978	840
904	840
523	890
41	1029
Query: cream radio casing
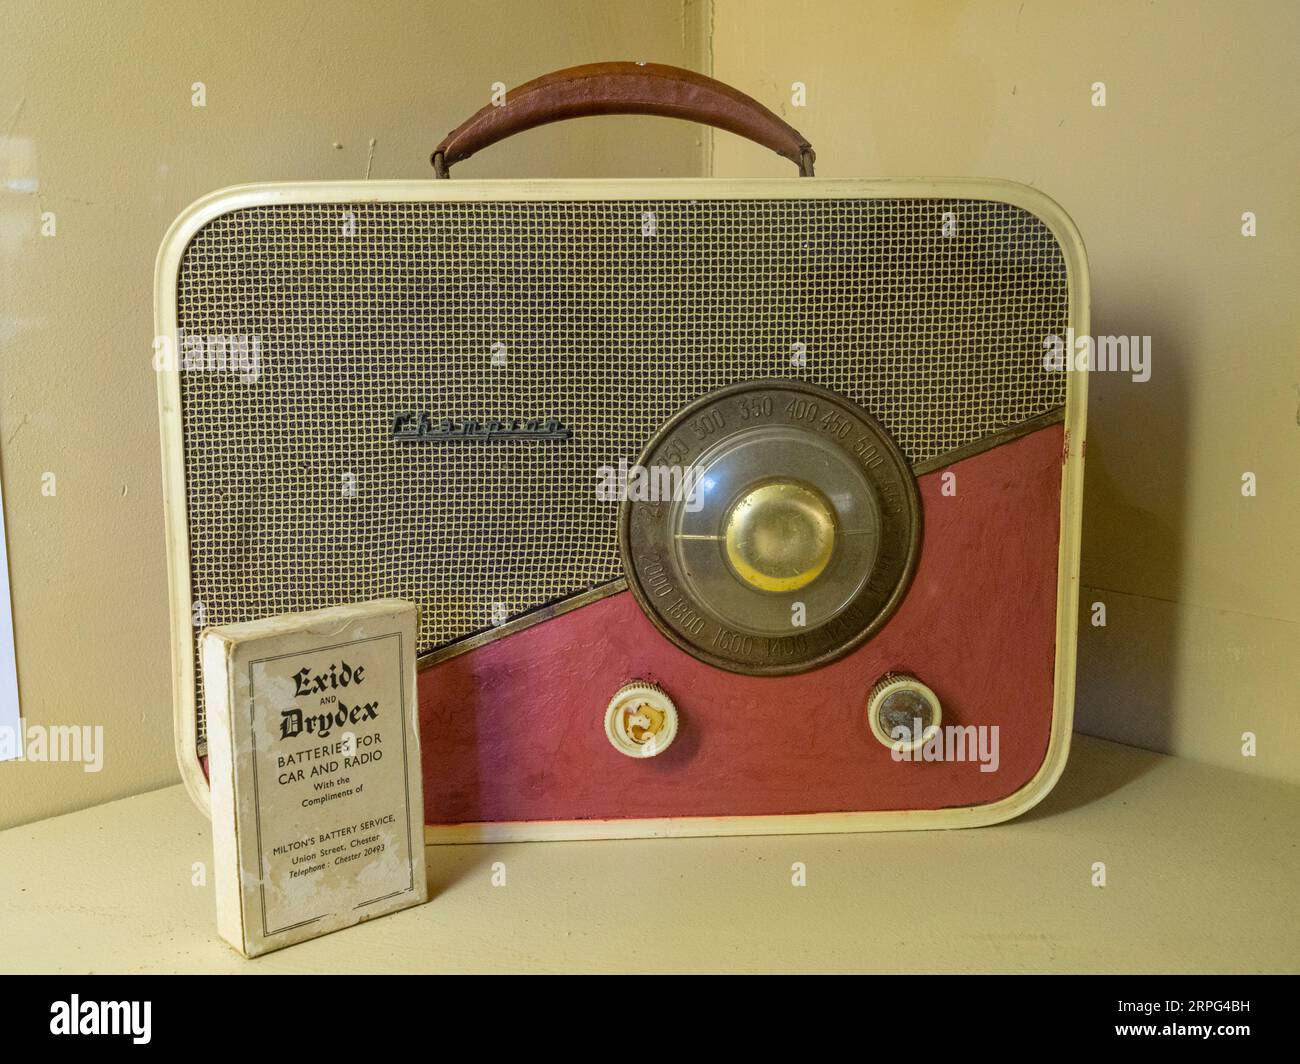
896	479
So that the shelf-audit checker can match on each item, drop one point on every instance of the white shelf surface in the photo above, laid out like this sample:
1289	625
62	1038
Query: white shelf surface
1202	868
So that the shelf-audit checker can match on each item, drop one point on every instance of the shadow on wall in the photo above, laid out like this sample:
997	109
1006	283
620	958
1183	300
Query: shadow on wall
1133	536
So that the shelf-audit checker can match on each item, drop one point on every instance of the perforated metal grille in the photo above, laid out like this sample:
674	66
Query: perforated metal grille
610	315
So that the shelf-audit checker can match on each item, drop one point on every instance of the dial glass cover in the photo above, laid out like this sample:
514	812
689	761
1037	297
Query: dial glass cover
791	535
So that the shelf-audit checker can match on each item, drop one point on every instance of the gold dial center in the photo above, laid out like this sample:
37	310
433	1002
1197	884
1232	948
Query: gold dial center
780	535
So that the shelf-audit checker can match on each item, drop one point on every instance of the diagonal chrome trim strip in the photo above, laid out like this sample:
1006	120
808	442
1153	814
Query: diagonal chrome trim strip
987	443
527	620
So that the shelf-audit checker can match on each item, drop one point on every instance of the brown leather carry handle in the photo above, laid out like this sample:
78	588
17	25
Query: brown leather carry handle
623	89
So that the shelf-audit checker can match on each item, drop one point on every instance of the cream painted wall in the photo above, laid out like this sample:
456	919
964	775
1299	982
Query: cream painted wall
96	126
1201	124
1201	585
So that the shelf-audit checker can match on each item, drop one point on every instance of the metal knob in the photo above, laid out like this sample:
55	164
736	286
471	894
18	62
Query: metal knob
904	714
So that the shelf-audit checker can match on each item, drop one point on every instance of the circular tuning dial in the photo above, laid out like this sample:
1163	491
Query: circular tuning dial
789	533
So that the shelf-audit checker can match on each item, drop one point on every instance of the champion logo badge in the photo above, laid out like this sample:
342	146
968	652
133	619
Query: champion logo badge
415	426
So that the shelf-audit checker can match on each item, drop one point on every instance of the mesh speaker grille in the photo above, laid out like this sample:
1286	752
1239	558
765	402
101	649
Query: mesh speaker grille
613	315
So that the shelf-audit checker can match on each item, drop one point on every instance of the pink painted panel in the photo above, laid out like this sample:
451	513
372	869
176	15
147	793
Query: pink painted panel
514	730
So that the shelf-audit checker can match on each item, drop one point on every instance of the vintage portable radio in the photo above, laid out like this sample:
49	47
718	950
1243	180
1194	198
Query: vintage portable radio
730	506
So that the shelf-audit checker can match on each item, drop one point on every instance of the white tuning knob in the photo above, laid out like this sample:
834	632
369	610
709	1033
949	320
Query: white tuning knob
641	720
